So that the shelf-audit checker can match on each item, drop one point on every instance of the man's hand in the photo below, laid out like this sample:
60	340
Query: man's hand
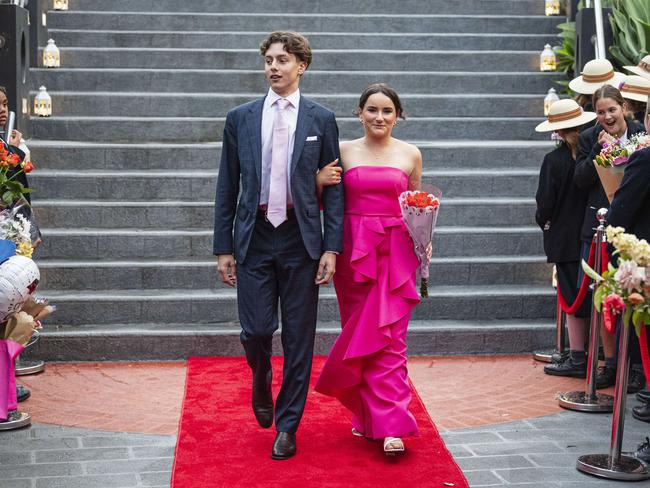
227	269
326	268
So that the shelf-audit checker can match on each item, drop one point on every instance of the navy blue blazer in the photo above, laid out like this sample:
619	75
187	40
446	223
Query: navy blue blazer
240	178
630	207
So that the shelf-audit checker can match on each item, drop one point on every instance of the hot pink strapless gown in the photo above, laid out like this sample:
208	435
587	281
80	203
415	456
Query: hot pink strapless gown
375	287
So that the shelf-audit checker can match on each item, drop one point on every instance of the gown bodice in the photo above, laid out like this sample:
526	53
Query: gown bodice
374	190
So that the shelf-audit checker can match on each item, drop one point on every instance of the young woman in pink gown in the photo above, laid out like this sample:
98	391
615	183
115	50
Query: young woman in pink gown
375	275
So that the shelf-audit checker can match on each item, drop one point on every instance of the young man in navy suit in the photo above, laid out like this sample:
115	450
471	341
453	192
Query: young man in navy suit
268	234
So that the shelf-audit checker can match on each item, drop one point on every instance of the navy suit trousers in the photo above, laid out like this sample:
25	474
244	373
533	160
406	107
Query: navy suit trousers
278	268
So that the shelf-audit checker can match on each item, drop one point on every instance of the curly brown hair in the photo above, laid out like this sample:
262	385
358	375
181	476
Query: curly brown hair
293	42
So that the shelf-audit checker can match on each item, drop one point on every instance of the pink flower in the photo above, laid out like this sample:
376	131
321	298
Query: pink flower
629	275
615	303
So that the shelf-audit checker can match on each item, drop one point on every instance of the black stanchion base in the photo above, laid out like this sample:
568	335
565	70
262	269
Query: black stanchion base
626	469
580	401
25	367
16	420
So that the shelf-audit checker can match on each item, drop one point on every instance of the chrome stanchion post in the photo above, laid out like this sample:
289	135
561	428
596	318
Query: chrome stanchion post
546	356
589	400
614	465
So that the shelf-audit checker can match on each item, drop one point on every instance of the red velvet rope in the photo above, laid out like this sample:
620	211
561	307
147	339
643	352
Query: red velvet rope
584	286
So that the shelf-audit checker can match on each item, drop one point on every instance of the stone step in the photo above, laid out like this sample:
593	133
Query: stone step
250	59
386	7
65	275
163	185
163	104
99	244
342	23
155	341
314	81
183	214
212	306
209	129
318	40
436	154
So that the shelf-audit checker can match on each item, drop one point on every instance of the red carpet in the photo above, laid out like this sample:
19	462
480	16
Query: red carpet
221	445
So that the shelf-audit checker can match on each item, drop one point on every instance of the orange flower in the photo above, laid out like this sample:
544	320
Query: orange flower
28	167
421	200
635	298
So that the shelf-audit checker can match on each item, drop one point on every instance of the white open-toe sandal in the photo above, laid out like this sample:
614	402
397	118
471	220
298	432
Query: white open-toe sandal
393	445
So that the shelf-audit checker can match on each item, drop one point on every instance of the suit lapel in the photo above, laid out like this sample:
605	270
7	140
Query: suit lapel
254	125
303	124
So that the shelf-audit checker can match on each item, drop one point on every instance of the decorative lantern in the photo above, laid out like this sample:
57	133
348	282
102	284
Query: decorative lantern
51	55
60	4
43	103
549	100
547	60
552	7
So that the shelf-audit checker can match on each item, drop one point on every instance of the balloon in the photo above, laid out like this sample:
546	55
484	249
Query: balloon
19	278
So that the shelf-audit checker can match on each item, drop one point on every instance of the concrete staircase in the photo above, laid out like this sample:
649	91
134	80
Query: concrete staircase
128	162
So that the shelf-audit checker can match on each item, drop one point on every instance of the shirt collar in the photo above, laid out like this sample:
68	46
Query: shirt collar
272	97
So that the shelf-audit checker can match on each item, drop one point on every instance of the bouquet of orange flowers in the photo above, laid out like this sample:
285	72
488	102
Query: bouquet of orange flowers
420	212
11	165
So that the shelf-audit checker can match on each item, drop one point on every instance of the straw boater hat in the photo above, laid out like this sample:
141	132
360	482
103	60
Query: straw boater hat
565	114
642	69
596	73
635	88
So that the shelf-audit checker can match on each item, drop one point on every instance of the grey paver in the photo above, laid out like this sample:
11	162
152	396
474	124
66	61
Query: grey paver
9	458
156	479
482	478
63	456
37	470
130	466
153	451
112	481
24	483
134	440
493	462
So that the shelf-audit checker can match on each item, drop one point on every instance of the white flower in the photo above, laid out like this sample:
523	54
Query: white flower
629	275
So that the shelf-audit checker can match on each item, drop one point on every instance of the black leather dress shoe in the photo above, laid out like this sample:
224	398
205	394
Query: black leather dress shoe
262	402
642	412
22	393
643	396
567	368
284	446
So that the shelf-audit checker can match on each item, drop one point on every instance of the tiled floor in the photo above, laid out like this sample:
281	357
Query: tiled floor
113	425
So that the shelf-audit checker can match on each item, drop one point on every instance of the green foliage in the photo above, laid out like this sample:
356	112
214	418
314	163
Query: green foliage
630	22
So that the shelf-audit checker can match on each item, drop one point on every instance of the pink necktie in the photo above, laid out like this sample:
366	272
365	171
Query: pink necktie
277	206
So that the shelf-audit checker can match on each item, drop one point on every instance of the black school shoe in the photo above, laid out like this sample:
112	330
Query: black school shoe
643	451
567	368
643	396
636	380
605	377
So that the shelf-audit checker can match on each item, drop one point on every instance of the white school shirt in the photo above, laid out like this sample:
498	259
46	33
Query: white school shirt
268	115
